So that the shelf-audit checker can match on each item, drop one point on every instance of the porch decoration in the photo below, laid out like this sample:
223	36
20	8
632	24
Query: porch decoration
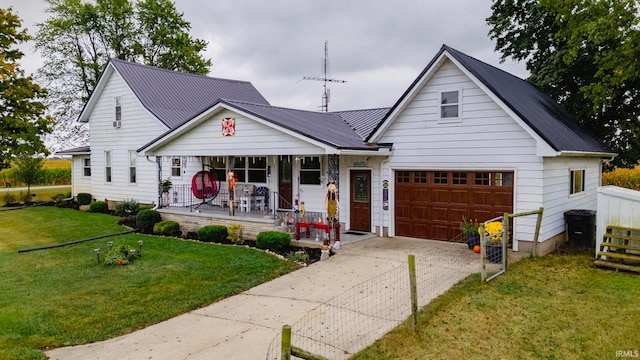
493	235
333	208
229	126
470	230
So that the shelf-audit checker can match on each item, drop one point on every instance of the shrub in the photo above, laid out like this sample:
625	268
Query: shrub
84	198
235	233
127	208
58	197
24	197
99	207
9	198
299	256
146	219
121	255
212	233
273	240
167	228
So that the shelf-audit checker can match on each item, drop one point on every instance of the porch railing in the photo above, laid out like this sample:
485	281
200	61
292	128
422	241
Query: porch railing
180	195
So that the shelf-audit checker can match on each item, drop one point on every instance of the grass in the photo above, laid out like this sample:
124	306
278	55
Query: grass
62	296
554	307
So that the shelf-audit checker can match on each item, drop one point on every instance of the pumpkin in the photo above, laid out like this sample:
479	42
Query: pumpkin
476	249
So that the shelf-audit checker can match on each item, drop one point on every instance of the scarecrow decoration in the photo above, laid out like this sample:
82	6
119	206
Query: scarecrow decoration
333	208
231	181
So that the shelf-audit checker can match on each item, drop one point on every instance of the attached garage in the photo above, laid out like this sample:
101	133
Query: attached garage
430	204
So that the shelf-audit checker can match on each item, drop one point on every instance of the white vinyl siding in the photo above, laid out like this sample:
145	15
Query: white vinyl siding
139	128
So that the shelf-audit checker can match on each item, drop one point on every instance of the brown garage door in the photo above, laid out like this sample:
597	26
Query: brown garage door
431	204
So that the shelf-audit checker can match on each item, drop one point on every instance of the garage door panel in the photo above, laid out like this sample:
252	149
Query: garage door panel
433	210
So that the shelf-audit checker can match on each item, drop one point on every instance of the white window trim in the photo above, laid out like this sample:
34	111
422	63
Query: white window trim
447	120
117	123
108	163
84	166
133	163
319	170
572	173
180	167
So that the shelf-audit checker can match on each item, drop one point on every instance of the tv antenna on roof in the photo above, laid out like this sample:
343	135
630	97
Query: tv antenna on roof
325	79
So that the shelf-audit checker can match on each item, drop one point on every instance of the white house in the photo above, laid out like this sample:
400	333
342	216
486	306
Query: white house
465	139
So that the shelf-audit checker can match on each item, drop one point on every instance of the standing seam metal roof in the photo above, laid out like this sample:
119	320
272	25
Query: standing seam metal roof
176	97
546	117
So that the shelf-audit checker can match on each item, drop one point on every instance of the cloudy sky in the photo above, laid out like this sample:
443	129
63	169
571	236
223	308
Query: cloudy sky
378	47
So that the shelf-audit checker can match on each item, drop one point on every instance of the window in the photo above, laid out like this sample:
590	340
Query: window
419	177
107	166
449	105
176	166
483	178
239	168
310	171
459	178
257	169
86	166
219	167
577	181
504	179
117	122
132	166
440	177
402	176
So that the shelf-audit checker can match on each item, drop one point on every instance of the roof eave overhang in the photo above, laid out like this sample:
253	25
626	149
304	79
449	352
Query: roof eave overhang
367	152
604	155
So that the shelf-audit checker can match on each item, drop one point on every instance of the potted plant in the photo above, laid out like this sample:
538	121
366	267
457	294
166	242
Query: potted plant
470	230
493	235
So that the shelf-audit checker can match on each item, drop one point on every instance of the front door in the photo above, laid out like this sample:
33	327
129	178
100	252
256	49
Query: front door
285	188
360	208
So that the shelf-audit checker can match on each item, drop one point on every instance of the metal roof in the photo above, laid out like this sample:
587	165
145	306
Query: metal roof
363	121
546	117
329	128
78	150
176	97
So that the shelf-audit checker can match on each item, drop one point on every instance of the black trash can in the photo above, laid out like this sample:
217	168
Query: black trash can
581	227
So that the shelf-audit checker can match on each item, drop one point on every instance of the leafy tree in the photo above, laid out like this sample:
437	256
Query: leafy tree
28	170
584	55
22	114
81	36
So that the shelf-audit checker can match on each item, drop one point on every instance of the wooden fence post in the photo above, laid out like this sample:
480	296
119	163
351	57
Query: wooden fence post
414	291
534	247
286	343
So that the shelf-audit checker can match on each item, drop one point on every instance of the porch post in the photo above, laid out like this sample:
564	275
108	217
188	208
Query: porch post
159	166
334	169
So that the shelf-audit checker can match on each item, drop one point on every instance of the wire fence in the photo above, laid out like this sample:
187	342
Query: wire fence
346	324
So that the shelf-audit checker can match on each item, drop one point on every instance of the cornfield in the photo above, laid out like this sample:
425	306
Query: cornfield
626	178
56	172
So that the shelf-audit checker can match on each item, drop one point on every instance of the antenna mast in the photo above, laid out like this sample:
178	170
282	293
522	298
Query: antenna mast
324	78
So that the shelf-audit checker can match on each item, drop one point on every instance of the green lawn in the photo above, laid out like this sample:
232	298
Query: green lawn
62	296
554	307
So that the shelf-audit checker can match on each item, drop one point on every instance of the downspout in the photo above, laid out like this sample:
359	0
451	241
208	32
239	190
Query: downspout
159	167
382	164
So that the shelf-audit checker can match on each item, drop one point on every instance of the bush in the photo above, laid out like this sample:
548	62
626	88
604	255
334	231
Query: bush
235	234
99	207
127	208
58	197
146	219
167	228
273	240
121	255
84	198
9	198
24	197
213	233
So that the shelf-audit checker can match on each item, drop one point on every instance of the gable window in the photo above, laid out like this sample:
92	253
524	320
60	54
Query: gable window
310	171
257	169
107	166
86	167
176	166
449	103
117	102
577	182
132	166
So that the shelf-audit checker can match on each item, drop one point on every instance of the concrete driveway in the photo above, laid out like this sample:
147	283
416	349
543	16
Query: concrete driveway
245	325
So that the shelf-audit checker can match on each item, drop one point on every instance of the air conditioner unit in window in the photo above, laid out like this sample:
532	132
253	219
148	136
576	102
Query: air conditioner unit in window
117	124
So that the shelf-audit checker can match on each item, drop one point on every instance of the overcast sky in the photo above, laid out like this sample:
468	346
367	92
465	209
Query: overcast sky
378	47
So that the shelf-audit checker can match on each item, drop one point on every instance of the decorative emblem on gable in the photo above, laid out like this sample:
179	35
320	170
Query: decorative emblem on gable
229	126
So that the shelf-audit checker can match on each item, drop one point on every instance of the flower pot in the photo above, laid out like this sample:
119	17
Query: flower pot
472	240
494	253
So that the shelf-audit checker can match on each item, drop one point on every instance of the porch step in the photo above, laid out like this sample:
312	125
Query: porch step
620	249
